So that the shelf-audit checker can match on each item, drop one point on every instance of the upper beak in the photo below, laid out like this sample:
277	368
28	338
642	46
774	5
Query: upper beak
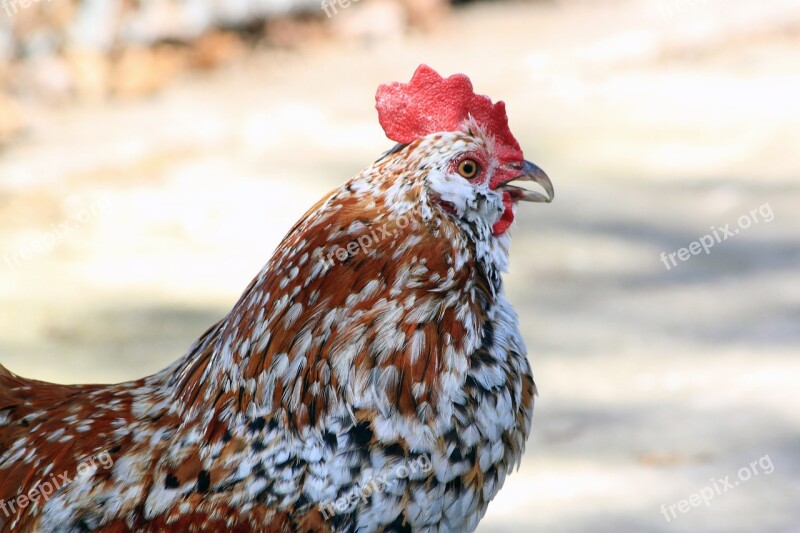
531	172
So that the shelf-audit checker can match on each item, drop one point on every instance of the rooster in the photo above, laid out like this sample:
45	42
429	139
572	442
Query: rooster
372	377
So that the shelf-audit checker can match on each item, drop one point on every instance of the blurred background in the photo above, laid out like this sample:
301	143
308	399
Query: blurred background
153	154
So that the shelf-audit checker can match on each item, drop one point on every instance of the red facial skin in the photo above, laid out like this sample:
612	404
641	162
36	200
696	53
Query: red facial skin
504	174
430	103
507	218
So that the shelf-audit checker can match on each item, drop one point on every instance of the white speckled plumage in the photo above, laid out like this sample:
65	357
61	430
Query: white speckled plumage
332	372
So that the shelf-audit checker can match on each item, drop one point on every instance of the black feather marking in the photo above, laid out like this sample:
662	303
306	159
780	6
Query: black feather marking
171	482
361	433
257	425
203	481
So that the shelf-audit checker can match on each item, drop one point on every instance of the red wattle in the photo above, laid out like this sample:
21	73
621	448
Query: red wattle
502	225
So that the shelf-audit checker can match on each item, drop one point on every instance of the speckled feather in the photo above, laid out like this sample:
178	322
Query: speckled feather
326	375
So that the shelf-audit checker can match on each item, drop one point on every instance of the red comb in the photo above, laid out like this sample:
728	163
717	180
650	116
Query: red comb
430	103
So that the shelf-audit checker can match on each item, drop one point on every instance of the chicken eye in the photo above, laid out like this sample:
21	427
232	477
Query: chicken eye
468	168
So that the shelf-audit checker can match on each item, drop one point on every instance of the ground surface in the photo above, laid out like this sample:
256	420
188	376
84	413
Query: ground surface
656	121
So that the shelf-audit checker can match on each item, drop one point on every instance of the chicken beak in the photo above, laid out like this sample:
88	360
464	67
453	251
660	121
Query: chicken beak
531	172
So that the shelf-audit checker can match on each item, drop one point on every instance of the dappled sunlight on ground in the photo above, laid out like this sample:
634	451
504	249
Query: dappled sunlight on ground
652	380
